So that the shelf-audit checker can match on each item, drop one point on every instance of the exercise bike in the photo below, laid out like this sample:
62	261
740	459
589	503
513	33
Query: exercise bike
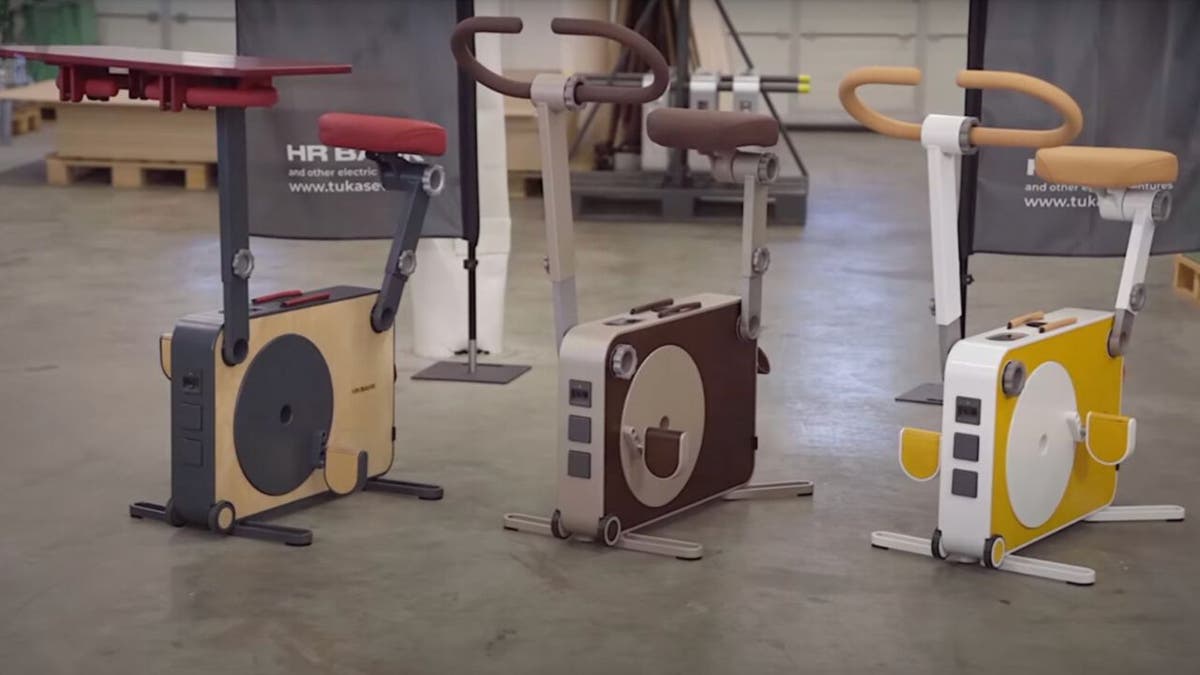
657	404
286	397
1032	432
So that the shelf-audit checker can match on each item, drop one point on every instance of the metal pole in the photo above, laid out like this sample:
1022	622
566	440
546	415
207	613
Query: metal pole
677	167
973	107
469	172
236	261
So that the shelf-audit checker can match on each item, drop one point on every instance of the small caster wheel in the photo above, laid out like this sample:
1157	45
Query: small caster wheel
174	517
556	526
994	551
221	517
935	546
610	530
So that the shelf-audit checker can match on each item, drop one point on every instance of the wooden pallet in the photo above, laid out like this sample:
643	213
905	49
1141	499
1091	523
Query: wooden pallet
1187	276
129	173
26	118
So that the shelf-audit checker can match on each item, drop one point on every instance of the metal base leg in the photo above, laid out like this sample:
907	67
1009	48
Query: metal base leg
250	529
629	541
1045	569
929	393
403	487
789	488
292	536
1129	514
149	510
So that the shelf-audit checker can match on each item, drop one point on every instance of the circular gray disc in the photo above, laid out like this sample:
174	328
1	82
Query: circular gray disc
285	400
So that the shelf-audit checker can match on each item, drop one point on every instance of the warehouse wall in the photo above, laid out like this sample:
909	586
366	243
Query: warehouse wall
824	38
195	25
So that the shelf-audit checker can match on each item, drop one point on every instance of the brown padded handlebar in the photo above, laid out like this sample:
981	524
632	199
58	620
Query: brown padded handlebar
968	79
601	93
584	93
460	46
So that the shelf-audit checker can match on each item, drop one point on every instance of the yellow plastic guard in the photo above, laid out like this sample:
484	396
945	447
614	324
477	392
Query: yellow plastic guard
345	470
1110	438
919	453
164	354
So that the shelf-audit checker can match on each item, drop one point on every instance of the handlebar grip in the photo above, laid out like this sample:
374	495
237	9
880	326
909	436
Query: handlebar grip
1039	89
460	46
599	93
869	117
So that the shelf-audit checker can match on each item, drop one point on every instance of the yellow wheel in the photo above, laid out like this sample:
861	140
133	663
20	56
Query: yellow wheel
221	517
994	552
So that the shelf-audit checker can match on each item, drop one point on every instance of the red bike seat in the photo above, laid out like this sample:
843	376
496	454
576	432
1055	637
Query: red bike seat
378	133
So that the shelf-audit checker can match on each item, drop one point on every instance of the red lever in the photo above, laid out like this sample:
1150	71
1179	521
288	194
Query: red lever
312	297
279	295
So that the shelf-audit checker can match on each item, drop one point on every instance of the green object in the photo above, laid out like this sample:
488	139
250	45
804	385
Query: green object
1194	255
52	22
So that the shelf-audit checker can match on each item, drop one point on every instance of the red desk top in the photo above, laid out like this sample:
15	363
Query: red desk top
169	62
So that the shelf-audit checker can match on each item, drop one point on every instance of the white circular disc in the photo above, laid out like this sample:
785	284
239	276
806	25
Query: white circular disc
667	384
1041	446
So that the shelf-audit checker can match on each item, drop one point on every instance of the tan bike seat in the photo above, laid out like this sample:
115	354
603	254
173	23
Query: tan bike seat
1105	167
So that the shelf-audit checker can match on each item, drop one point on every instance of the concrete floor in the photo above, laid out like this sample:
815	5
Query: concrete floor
89	277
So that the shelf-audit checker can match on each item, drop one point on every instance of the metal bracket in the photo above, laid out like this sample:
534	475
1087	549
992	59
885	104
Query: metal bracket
421	181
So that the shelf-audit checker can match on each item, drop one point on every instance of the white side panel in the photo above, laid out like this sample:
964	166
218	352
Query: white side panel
971	373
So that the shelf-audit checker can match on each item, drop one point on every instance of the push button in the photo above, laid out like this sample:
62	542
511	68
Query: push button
579	464
964	483
966	447
579	429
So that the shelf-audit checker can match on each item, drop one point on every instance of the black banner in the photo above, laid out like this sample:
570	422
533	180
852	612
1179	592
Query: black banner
400	51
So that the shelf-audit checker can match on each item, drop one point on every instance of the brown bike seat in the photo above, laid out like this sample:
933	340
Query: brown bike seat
710	131
1105	167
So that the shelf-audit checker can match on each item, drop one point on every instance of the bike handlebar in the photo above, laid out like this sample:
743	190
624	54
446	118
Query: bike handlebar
465	31
968	79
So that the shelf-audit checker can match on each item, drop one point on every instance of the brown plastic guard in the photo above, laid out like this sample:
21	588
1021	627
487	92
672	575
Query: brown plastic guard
662	454
464	33
710	131
970	79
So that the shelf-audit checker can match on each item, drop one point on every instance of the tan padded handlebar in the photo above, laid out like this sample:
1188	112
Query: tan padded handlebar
968	79
464	32
871	119
1039	89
